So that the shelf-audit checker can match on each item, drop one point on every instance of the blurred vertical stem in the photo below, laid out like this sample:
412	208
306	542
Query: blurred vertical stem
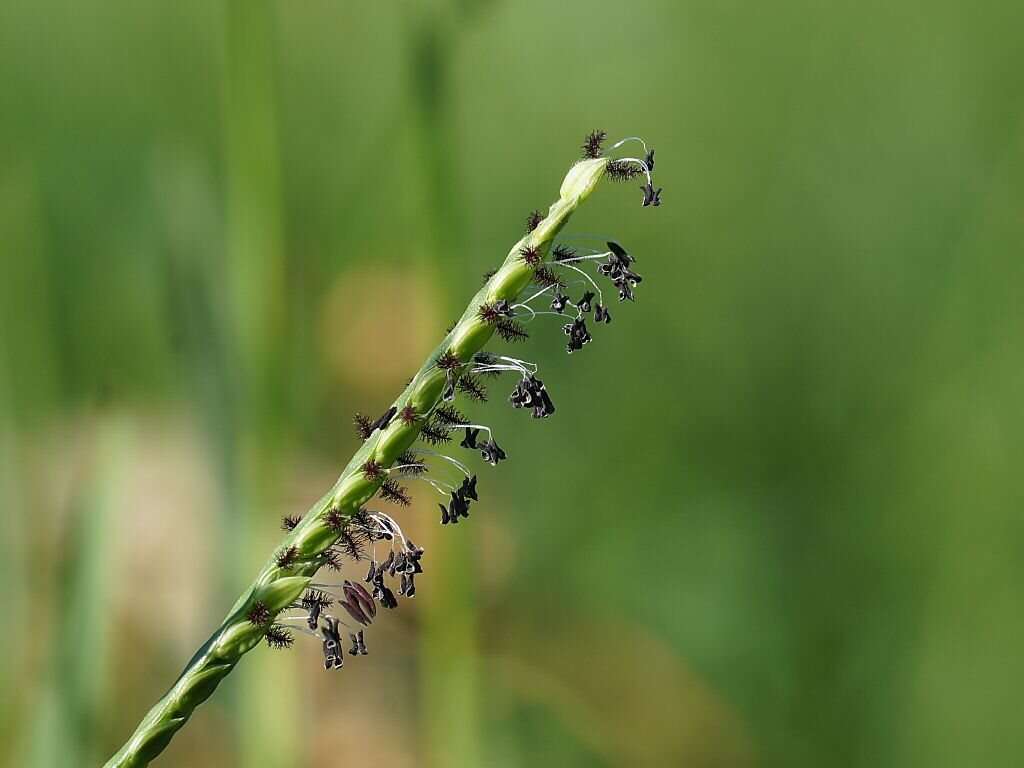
80	648
255	277
31	733
449	699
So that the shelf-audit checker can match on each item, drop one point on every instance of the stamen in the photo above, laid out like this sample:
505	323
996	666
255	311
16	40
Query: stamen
454	461
590	257
589	280
619	143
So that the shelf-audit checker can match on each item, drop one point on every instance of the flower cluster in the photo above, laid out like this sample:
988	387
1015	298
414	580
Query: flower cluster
626	168
459	504
530	392
577	333
358	603
616	267
359	534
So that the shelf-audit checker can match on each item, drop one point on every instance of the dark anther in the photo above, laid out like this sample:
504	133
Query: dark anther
625	289
387	598
584	303
617	268
403	584
577	333
620	254
522	396
313	619
415	554
617	265
649	160
651	196
469	488
358	644
558	303
469	441
398	566
492	452
290	522
385	419
531	393
458	504
546	407
410	585
371	573
355	612
333	658
601	314
445	517
542	405
357	595
314	601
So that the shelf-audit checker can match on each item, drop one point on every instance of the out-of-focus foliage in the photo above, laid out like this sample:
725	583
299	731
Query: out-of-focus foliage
793	538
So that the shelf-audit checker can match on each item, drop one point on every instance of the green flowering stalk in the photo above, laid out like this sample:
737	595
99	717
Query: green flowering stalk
339	527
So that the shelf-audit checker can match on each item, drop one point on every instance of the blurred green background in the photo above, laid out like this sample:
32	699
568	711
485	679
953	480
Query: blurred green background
793	536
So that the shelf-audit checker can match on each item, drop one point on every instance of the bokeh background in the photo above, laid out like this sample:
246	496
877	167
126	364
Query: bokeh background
777	518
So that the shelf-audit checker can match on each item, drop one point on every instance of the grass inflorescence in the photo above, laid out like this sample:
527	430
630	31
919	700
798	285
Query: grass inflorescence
340	529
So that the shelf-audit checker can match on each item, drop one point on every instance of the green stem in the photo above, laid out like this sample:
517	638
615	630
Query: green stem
278	587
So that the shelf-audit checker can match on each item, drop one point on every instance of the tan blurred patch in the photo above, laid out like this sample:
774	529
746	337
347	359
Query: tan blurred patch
376	325
498	549
623	693
165	517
